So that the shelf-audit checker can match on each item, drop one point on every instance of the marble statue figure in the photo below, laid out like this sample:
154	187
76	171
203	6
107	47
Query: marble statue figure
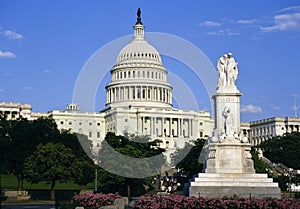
228	71
228	124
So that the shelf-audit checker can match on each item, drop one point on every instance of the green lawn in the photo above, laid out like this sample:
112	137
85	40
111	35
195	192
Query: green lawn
10	182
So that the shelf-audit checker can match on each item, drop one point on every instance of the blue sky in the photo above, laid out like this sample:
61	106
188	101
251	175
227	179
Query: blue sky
44	45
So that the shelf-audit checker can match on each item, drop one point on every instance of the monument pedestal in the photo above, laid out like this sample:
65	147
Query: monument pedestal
229	156
230	184
229	171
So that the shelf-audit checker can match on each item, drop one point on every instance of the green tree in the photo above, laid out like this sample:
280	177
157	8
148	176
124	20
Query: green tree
51	163
259	165
81	147
134	147
5	150
190	164
283	149
23	137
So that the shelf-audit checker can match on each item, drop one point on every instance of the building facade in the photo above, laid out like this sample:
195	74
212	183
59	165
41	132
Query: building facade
262	130
15	110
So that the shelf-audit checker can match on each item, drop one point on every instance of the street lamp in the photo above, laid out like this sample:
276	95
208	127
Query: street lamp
290	178
96	179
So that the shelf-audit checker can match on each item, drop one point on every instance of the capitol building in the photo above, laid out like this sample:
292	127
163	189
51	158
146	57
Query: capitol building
139	102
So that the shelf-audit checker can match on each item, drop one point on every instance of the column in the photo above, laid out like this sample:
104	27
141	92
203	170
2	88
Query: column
124	94
109	95
129	93
137	122
162	126
151	125
181	124
107	98
154	126
143	124
118	94
192	127
178	127
189	128
170	128
112	95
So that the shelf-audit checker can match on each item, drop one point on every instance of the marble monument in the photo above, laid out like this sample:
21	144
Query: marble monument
229	168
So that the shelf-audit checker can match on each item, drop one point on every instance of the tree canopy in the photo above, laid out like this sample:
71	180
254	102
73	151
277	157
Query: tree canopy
20	138
283	149
190	164
259	165
134	147
51	162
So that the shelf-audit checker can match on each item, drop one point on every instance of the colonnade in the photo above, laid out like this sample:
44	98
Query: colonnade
10	114
138	74
292	128
261	134
165	127
131	93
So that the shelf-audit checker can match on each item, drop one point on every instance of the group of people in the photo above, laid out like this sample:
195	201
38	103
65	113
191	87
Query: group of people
169	184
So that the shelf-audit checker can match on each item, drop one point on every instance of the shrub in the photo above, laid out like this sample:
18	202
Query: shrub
180	202
94	201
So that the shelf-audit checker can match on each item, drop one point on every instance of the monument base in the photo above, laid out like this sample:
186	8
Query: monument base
229	171
230	184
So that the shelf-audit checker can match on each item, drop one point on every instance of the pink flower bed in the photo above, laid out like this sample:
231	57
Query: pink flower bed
181	202
90	200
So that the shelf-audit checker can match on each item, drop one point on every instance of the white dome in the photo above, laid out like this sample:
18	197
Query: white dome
139	50
139	77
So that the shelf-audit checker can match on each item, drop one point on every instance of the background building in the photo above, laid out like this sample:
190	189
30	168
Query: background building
14	110
262	130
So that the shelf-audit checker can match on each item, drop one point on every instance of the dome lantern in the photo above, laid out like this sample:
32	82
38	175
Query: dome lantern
139	27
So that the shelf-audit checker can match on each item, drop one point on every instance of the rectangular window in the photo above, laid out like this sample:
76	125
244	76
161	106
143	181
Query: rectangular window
90	134
201	134
98	134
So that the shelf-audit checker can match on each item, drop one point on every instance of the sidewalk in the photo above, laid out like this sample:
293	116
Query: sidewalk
8	202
